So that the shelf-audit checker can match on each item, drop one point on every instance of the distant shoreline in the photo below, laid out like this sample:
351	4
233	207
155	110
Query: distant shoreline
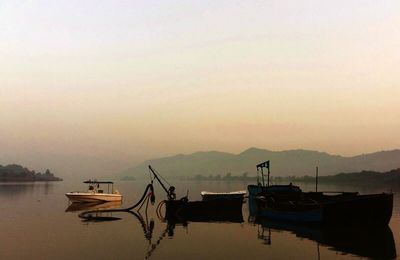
17	173
2	180
391	177
365	178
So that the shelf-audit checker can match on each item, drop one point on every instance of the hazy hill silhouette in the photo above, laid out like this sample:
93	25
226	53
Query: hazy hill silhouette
15	172
283	163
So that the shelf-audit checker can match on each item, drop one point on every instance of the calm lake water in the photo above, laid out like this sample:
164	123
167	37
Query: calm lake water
37	222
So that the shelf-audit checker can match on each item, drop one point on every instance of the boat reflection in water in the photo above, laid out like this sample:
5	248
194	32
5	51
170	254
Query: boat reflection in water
209	217
206	217
205	211
77	206
101	211
360	240
171	221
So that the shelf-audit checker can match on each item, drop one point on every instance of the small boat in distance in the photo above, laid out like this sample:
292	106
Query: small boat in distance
95	194
207	195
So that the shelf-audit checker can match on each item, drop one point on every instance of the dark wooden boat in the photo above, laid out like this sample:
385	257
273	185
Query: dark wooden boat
285	202
327	209
290	203
184	207
354	208
281	202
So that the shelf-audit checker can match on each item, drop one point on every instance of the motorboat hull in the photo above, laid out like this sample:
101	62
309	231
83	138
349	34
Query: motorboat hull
92	197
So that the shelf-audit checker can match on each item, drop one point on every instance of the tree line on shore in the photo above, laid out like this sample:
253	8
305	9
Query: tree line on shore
15	172
363	177
227	177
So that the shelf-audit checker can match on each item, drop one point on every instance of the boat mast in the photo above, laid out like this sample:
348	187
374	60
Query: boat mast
262	176
316	179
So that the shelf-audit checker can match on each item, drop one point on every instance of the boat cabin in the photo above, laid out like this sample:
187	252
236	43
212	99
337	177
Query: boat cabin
94	186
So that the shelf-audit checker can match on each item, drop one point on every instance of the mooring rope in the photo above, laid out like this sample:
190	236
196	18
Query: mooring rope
88	214
158	210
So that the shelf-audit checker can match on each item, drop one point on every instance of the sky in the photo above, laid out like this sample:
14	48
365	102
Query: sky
94	87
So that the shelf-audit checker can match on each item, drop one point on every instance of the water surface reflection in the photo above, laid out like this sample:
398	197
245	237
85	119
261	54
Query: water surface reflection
35	225
16	189
77	206
364	241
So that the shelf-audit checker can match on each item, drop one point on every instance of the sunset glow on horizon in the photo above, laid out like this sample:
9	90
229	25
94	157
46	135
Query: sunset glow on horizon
113	83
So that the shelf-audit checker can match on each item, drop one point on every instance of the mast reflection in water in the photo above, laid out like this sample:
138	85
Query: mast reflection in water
171	222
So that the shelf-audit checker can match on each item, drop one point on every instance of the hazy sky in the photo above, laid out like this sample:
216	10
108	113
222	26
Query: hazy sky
97	86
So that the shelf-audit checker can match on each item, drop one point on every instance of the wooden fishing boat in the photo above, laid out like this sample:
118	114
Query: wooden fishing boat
353	207
290	203
184	207
272	206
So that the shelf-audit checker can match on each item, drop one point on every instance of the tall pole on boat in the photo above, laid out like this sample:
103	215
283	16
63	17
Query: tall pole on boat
316	179
262	175
261	167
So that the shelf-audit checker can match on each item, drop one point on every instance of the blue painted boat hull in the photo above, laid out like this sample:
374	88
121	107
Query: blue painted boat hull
282	202
314	216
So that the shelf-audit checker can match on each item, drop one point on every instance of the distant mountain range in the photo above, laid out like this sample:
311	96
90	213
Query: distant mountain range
283	163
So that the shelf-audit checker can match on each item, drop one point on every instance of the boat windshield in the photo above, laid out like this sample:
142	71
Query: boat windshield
98	182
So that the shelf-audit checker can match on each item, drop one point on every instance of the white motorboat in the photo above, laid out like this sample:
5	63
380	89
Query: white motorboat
95	193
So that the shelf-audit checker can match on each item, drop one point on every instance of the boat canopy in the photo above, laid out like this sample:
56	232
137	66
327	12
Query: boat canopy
98	182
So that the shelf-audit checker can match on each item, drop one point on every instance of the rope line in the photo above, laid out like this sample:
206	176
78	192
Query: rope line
88	214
